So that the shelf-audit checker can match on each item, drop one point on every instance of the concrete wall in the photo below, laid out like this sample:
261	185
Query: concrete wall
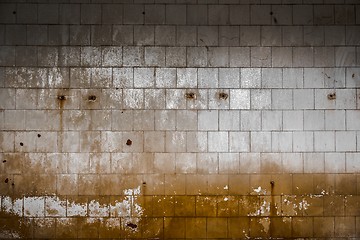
180	119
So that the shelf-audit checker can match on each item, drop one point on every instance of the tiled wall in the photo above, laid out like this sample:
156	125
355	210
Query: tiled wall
180	119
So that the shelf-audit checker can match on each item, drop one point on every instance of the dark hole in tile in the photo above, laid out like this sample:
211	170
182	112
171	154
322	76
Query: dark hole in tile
271	13
39	135
331	96
353	75
21	144
223	96
190	95
4	161
128	142
92	98
14	12
131	225
61	97
6	180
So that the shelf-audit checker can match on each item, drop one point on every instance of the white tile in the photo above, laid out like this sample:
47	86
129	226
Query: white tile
282	99
175	99
303	141
335	119
144	77
293	120
313	78
352	162
334	162
345	141
292	162
314	120
250	120
314	162
250	77
175	141
239	99
229	120
218	141
165	119
323	99
249	162
324	141
303	98
271	78
239	141
229	163
352	120
271	120
229	78
281	141
345	99
208	77
165	77
196	141
260	141
260	99
186	77
208	120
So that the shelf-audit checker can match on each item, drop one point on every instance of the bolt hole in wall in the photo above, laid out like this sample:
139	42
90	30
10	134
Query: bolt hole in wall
61	97
92	98
223	96
331	96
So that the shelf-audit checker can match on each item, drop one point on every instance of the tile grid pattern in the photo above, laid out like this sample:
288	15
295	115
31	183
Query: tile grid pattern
201	104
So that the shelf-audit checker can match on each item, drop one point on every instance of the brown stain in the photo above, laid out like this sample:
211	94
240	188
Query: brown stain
15	225
61	102
272	207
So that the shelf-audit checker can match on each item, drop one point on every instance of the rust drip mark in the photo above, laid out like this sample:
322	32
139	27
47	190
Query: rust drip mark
92	98
132	225
223	96
272	206
6	180
190	95
331	96
129	142
21	144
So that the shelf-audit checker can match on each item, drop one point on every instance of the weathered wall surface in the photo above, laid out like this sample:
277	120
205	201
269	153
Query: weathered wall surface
180	119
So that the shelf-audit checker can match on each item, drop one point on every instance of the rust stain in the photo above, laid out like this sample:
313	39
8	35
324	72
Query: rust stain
331	96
